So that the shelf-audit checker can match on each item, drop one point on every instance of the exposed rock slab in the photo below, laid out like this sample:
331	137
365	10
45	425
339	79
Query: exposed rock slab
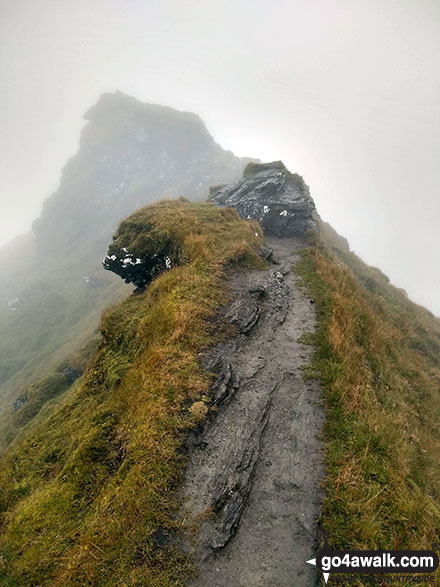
252	487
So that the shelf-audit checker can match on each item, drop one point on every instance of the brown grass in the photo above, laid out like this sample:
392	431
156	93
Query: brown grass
375	355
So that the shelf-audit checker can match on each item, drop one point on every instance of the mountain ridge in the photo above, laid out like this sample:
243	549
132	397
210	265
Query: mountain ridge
191	434
94	484
52	287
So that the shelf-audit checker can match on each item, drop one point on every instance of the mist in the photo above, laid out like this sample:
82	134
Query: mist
346	93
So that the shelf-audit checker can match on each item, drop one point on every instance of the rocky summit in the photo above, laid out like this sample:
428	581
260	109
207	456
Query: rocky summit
269	193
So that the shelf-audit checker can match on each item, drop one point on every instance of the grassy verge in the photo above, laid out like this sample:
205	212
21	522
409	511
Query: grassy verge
88	497
374	353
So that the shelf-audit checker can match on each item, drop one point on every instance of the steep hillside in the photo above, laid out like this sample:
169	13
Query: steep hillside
52	286
87	497
378	358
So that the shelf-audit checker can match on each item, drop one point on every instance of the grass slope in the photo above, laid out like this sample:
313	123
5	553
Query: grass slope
86	498
54	324
378	357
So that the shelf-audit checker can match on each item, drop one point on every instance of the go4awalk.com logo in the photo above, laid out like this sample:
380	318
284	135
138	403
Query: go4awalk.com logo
374	561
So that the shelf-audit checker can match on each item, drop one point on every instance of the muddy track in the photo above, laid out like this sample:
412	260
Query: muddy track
252	486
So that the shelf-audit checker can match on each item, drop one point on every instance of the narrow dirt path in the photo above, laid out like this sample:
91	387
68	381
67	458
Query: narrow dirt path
252	486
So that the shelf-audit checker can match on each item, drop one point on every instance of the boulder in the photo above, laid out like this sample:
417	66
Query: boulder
269	193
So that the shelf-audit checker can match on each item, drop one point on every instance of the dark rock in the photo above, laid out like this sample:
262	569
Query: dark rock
259	290
269	193
138	270
232	485
70	372
19	402
268	255
244	314
224	386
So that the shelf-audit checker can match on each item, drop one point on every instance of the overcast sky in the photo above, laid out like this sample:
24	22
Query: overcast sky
345	92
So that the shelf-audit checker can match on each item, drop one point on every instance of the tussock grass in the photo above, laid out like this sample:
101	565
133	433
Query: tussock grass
87	497
376	354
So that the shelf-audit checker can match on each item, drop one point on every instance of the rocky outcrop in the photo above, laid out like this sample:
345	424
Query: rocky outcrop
269	193
131	154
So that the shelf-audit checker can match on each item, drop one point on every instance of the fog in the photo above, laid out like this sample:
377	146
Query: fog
346	92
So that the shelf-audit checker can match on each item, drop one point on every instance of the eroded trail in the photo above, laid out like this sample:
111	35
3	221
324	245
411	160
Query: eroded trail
252	485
